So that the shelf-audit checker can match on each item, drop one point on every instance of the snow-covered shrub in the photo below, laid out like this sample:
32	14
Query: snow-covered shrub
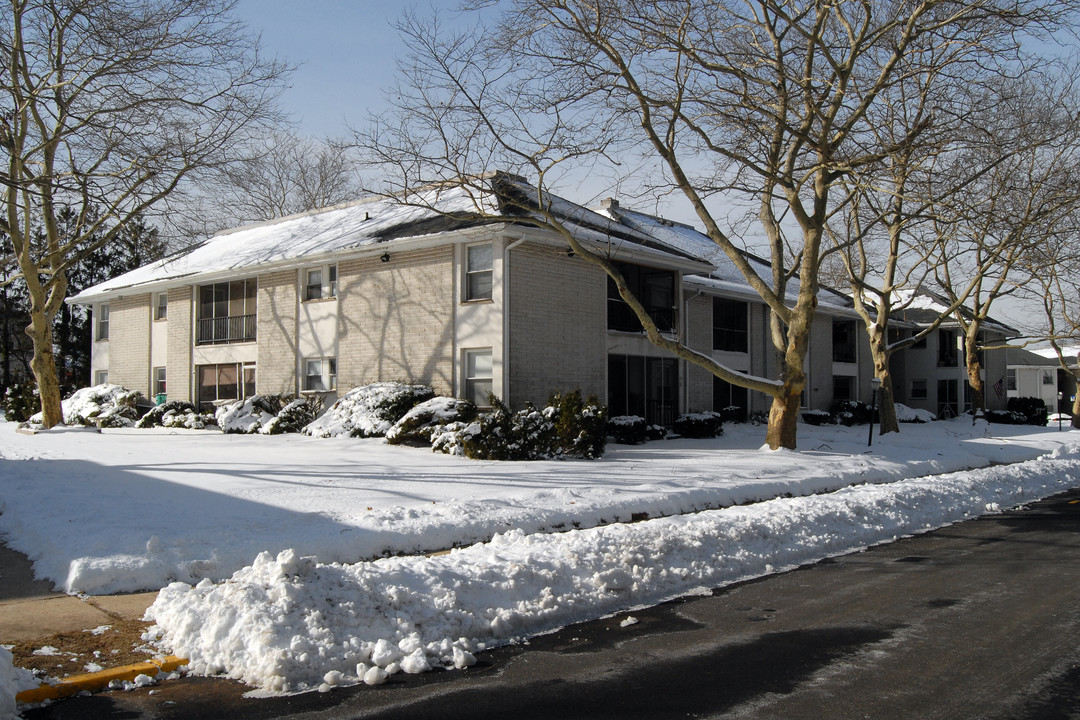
733	414
567	428
907	414
107	406
851	412
580	425
1032	408
20	401
369	410
633	430
268	414
1006	417
176	414
699	425
428	418
816	417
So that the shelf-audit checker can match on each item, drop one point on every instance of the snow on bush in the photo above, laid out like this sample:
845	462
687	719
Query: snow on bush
289	623
633	430
428	419
816	417
105	405
268	414
369	410
912	415
176	414
699	425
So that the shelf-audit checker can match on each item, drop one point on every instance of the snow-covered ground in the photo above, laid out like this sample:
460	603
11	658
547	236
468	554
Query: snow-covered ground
294	518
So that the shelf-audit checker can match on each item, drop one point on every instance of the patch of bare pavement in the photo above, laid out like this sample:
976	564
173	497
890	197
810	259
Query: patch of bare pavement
977	620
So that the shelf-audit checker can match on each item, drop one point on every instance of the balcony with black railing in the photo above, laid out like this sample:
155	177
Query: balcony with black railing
229	329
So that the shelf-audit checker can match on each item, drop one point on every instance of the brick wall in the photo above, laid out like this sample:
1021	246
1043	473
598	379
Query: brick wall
276	333
178	353
558	325
129	342
396	319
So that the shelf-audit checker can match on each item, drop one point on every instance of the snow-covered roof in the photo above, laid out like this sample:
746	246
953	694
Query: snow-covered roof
923	306
375	221
725	278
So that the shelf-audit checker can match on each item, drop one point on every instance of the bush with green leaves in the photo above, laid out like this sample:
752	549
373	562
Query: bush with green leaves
1006	417
706	424
176	414
568	427
1032	408
268	414
817	417
20	401
851	412
107	406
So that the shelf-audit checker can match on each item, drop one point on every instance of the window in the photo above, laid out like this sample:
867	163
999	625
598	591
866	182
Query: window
478	272
730	399
228	381
103	321
331	278
1010	379
161	306
948	399
918	389
159	381
843	388
313	285
478	385
946	351
843	342
730	325
320	374
227	312
1047	377
644	386
101	377
655	288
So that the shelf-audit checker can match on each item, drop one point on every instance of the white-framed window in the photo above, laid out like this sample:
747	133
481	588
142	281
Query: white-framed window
161	306
320	282
320	374
102	322
478	271
159	381
101	377
1010	379
478	368
918	389
1048	377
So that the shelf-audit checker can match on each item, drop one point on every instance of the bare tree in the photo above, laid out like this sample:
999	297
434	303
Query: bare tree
768	102
107	107
1057	283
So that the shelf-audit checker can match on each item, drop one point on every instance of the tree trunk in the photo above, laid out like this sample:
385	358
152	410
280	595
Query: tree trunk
44	367
783	419
886	401
974	375
1076	404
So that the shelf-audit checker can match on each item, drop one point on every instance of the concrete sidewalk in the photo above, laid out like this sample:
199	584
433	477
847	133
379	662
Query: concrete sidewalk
34	615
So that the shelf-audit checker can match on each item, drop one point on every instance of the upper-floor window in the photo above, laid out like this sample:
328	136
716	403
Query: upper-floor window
946	349
478	271
320	282
843	341
227	312
653	287
730	325
103	321
161	306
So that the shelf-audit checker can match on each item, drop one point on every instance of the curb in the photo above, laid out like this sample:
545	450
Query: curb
91	682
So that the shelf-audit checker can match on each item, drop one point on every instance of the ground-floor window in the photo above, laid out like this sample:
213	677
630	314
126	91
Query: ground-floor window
843	388
731	399
226	381
918	389
644	386
101	377
159	381
948	399
320	374
478	383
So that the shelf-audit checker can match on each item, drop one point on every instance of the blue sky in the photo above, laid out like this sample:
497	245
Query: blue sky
346	51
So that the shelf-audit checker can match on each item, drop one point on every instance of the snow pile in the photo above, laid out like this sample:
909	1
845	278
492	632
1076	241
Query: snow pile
105	405
289	623
13	680
907	414
369	411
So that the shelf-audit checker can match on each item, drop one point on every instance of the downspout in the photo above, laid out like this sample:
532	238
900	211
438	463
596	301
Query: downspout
506	318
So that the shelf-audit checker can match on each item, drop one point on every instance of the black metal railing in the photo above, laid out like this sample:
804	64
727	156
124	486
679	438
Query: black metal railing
231	329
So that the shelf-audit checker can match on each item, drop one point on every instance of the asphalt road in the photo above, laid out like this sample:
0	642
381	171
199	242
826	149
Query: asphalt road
978	620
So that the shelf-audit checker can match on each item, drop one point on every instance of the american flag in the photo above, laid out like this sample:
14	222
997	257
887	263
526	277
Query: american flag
999	387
